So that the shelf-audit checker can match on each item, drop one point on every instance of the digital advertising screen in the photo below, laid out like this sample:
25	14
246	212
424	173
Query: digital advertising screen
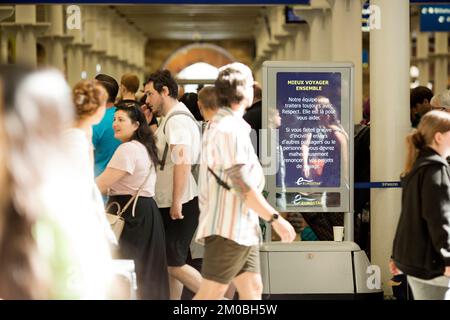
309	107
312	145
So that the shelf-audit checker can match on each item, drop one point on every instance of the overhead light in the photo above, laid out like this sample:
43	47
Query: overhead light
414	72
196	36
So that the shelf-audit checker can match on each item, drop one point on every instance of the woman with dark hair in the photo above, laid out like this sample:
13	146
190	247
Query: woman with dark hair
133	168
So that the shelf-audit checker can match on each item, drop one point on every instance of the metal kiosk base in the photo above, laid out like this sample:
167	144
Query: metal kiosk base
316	270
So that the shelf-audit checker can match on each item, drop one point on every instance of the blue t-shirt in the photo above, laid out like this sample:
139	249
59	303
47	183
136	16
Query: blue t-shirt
104	142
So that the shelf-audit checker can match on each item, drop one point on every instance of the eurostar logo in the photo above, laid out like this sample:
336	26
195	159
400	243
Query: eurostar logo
301	181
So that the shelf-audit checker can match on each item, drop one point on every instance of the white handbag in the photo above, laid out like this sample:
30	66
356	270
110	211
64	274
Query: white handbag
115	220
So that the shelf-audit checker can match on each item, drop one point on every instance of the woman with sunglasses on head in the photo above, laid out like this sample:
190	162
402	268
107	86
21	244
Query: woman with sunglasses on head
133	168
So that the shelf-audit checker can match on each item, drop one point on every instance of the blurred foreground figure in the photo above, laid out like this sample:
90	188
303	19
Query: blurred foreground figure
51	244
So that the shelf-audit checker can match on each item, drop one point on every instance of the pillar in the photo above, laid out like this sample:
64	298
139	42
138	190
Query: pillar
4	48
280	34
55	40
76	51
110	67
263	50
389	87
26	30
302	46
122	40
422	57
5	12
75	54
290	43
440	61
346	43
92	37
318	16
142	40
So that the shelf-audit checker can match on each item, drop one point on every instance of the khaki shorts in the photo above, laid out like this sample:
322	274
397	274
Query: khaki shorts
224	259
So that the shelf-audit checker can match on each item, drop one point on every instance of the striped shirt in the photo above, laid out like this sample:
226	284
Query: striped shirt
226	142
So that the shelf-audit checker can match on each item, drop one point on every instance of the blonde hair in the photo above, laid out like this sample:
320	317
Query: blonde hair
88	96
430	124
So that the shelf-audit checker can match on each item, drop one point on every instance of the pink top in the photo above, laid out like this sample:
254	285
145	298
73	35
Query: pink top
132	157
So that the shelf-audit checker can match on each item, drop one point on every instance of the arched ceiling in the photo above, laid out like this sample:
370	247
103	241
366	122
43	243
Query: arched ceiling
193	22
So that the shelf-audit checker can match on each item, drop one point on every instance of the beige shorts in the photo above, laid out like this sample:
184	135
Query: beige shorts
225	259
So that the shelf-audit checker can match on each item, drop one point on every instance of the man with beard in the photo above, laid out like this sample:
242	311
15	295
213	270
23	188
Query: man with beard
178	143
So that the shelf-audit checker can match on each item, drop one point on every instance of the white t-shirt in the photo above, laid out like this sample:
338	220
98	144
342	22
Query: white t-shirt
77	149
180	130
81	221
133	158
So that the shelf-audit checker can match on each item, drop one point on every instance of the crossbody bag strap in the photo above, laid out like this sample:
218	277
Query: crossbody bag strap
166	147
220	181
136	196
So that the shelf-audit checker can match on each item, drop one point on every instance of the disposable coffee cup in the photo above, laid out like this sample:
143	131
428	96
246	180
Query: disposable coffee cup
338	233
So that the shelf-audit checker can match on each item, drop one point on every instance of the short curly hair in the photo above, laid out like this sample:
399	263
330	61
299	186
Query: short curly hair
163	78
88	96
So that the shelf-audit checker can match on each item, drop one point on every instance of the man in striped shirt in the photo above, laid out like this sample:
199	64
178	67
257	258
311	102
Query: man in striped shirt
230	199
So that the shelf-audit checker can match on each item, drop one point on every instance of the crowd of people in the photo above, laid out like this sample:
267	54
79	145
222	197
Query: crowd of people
69	154
183	173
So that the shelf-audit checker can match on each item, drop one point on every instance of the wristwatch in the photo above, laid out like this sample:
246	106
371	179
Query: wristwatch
274	217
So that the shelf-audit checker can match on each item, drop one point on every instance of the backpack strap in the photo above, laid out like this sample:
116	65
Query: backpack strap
166	147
